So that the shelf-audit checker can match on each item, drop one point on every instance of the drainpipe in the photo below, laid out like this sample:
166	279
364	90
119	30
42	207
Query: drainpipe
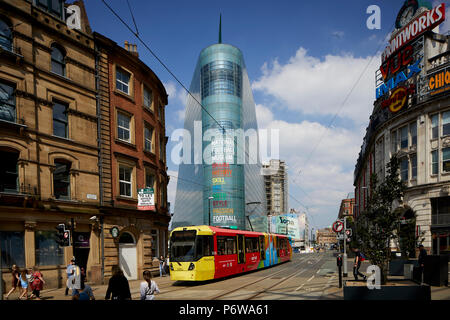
100	155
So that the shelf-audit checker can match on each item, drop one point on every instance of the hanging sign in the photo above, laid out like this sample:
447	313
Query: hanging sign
146	199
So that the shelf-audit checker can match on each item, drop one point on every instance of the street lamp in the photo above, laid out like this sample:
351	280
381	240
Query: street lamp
248	216
209	214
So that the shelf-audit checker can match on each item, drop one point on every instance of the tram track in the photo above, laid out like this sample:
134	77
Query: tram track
284	279
283	268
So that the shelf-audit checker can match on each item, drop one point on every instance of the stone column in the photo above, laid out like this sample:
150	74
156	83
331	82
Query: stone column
30	257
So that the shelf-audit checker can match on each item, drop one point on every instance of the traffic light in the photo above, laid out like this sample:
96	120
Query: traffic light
63	236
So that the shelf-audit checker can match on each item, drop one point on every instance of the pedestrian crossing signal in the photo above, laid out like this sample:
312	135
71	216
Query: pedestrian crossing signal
63	236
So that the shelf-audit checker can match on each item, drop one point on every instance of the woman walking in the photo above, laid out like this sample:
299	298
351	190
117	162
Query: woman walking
38	283
15	280
148	287
118	287
24	284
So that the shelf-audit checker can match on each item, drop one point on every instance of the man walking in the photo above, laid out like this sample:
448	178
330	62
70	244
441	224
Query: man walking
357	264
422	256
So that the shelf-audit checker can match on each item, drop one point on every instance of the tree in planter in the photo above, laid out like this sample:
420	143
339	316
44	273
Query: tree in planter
378	224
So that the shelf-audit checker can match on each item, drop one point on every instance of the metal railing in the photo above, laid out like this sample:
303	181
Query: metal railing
18	190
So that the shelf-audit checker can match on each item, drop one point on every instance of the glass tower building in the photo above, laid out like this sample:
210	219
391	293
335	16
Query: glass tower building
219	178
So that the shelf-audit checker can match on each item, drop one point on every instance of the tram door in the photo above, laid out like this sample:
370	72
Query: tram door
241	249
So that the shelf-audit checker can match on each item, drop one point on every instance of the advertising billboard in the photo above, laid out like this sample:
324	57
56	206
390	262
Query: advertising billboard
287	224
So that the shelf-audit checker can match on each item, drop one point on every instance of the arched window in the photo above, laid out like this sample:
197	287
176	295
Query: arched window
5	36
126	237
58	61
61	179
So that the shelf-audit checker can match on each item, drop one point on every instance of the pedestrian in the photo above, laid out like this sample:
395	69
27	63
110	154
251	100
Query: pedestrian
421	261
38	283
70	272
148	287
76	279
357	264
162	263
85	292
118	287
23	284
14	281
168	264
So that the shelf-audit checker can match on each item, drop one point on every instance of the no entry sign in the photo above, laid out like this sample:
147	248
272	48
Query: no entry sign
338	226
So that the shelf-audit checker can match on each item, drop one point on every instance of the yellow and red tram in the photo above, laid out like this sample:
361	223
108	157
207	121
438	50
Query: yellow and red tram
199	253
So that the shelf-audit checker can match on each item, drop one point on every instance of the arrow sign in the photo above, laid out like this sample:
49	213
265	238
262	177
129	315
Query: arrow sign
338	226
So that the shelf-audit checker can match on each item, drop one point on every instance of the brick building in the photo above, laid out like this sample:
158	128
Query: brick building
325	236
133	143
48	128
78	139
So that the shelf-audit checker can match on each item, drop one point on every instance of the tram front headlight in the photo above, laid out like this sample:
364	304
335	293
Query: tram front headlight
191	266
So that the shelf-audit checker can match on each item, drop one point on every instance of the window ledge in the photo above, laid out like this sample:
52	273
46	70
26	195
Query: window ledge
127	143
124	95
120	197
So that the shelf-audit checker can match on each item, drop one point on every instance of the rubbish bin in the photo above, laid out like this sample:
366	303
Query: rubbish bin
436	270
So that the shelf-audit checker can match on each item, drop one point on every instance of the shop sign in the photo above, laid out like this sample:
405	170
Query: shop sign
398	98
220	196
220	204
222	173
225	218
399	78
223	211
216	181
146	199
392	65
439	82
426	21
81	239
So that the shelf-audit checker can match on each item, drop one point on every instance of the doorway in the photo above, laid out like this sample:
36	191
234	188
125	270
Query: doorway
128	255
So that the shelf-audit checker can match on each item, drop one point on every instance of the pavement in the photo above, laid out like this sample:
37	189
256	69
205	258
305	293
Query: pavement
326	278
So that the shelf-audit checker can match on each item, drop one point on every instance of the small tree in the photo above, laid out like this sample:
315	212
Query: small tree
378	224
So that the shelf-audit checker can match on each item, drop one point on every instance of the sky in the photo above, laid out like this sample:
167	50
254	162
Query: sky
311	66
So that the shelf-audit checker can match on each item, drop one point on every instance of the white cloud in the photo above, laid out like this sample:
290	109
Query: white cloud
320	158
320	86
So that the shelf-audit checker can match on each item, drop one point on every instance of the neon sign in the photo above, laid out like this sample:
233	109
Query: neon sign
395	81
398	98
426	21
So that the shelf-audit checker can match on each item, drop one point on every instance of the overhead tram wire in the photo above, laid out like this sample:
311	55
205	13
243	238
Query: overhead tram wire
136	34
162	63
342	105
348	95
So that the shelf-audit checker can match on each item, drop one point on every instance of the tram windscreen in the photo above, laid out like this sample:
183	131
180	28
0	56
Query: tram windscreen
182	246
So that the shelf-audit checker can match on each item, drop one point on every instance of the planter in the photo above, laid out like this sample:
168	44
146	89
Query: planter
393	290
397	266
436	270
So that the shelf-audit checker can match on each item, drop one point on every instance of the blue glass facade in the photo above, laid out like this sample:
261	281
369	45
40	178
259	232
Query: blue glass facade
224	177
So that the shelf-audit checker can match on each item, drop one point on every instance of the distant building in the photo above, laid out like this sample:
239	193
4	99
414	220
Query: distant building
347	206
325	236
276	184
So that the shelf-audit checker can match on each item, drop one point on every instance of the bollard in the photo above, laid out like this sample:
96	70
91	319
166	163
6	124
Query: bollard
339	264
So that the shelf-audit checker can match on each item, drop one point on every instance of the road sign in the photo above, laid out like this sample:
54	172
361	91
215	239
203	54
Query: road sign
348	232
340	236
338	226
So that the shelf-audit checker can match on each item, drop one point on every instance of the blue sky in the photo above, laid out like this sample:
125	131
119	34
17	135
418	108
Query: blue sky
303	58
